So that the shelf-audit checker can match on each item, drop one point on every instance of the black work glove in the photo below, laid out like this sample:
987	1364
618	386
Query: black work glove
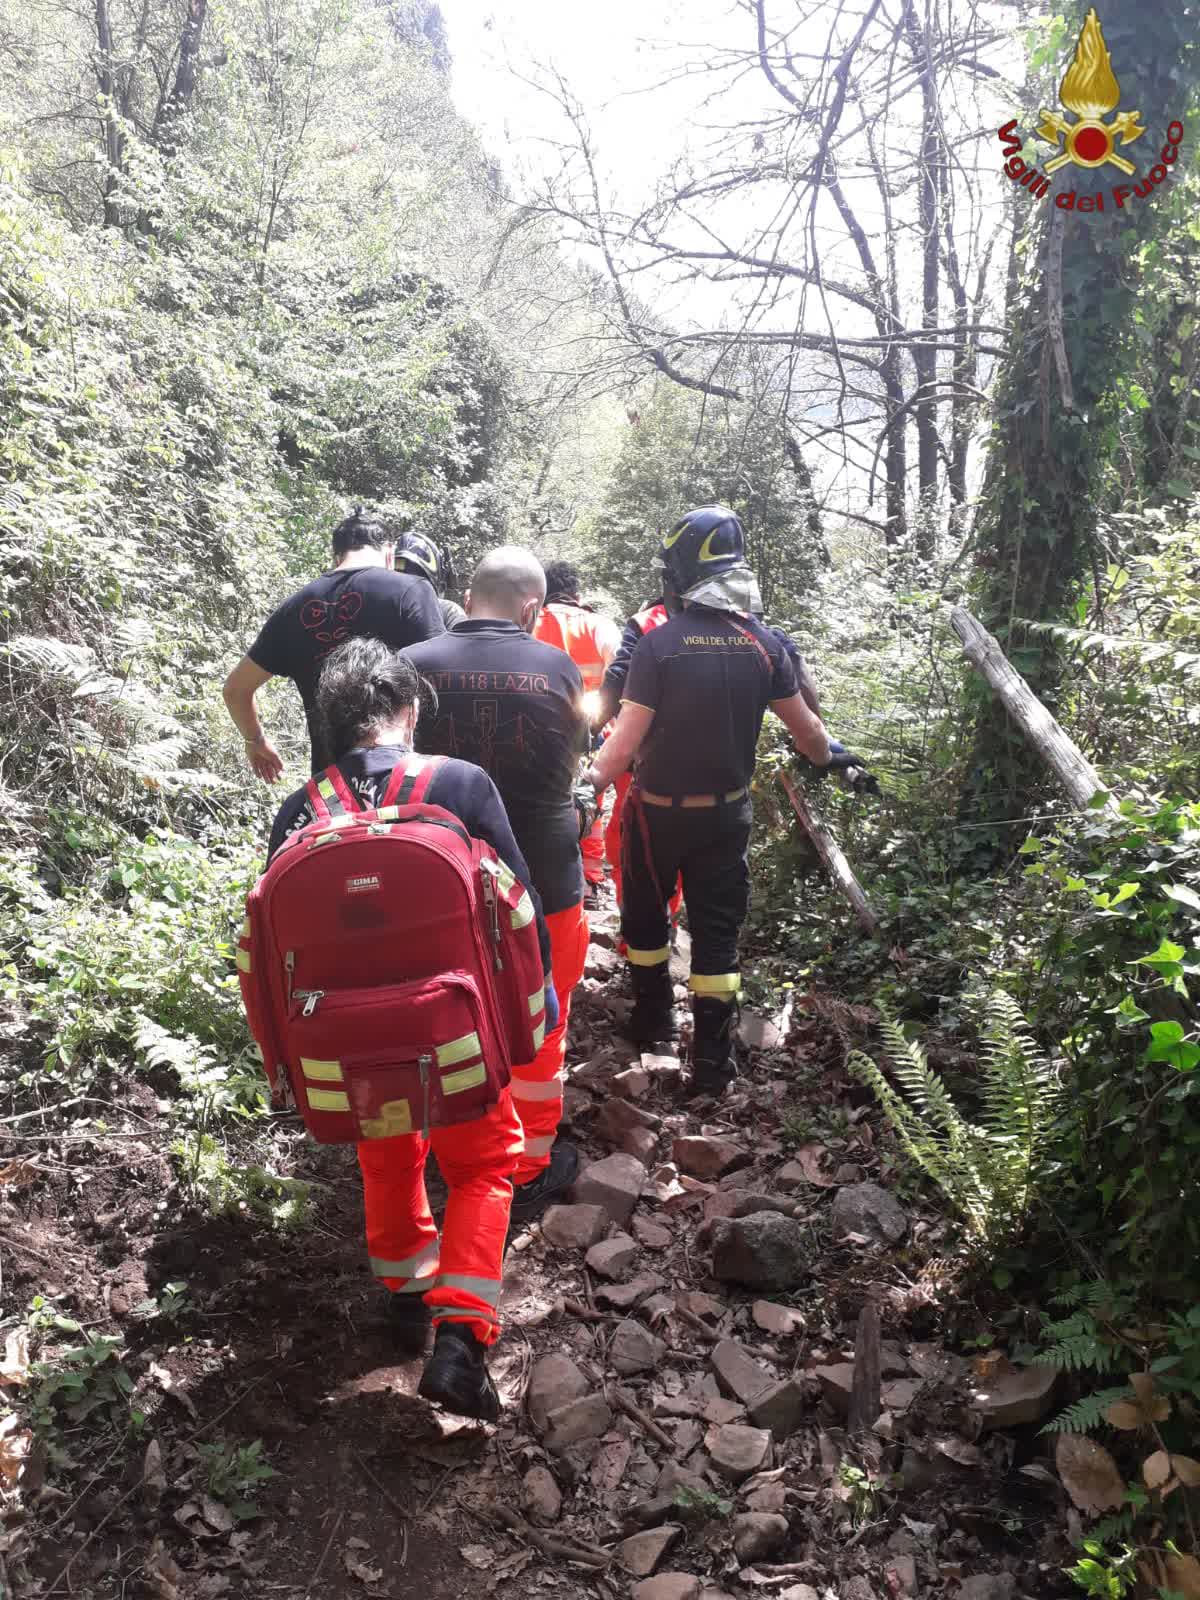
587	806
842	758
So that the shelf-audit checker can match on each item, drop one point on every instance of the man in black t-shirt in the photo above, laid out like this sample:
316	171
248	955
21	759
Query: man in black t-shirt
514	706
692	707
361	596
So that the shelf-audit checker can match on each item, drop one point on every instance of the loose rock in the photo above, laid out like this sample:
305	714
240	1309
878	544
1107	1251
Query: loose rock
763	1251
651	1234
585	1418
867	1209
771	1497
708	1157
574	1227
781	1320
617	1116
757	1534
631	1084
836	1383
613	1257
737	1450
541	1497
668	1586
554	1381
614	1183
780	1408
642	1552
988	1586
738	1371
640	1143
635	1349
758	1032
625	1296
1014	1398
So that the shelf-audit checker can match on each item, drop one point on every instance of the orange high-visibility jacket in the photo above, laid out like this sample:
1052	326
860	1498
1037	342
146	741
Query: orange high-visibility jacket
589	639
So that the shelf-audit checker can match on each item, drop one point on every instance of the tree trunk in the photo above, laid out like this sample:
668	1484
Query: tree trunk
1072	343
924	355
114	150
165	130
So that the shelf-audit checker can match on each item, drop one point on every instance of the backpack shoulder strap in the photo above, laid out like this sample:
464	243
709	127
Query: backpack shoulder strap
330	795
763	653
410	780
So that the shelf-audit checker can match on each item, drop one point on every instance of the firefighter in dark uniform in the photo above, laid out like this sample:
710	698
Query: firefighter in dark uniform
691	710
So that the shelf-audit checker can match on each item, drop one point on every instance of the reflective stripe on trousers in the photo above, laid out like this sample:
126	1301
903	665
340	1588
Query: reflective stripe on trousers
537	1086
461	1278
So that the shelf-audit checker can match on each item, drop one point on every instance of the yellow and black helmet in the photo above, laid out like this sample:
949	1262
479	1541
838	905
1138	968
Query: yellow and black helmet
417	554
702	544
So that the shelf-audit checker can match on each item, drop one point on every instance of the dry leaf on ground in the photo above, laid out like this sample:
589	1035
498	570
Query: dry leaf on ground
14	1447
359	1569
1089	1474
1183	1575
1156	1469
15	1366
809	1156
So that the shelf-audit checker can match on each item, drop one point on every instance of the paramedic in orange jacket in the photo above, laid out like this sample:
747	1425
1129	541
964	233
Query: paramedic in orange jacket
367	699
591	641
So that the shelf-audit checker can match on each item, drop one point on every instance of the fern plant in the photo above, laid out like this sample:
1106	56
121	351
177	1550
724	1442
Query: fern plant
988	1169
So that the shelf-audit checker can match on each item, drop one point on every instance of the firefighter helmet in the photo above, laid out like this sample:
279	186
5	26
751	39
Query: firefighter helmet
702	544
419	555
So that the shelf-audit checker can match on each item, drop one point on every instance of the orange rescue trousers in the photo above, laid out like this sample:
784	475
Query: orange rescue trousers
537	1087
461	1277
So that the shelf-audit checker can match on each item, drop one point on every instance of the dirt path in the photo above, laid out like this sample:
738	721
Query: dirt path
661	1365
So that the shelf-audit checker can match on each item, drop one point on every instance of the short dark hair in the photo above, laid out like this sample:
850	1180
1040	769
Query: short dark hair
360	529
562	582
362	687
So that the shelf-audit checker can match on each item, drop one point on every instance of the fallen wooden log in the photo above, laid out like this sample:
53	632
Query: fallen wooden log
865	1403
830	853
1043	731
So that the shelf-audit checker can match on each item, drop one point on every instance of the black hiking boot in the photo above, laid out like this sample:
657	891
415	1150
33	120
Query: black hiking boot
531	1199
652	1020
713	1068
409	1319
456	1375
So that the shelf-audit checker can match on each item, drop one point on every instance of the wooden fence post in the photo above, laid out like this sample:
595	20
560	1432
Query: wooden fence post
1060	752
831	854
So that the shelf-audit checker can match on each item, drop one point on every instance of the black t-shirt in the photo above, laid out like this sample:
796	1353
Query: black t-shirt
459	788
514	707
708	677
360	601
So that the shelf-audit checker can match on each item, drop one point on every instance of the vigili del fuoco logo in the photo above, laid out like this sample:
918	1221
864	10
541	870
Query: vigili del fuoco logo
1090	90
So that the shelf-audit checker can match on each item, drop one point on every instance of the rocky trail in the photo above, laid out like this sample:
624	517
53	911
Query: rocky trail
723	1368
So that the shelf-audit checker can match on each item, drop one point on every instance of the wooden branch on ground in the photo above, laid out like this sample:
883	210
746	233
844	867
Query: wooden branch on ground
561	1549
865	1402
830	853
1060	752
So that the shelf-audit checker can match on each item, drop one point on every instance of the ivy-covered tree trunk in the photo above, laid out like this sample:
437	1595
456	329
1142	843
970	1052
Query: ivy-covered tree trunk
1061	392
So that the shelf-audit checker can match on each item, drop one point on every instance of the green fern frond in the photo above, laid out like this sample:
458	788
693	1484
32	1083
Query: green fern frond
1087	1413
988	1171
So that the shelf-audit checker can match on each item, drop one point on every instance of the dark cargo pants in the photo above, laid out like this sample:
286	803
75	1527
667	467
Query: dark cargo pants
707	846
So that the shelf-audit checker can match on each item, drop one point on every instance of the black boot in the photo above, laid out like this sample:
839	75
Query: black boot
652	1020
713	1067
408	1323
456	1375
531	1199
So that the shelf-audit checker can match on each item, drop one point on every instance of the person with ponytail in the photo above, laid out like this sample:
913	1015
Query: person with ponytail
367	701
361	597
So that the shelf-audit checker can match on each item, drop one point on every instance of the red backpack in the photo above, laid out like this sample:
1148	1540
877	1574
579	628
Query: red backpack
389	965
